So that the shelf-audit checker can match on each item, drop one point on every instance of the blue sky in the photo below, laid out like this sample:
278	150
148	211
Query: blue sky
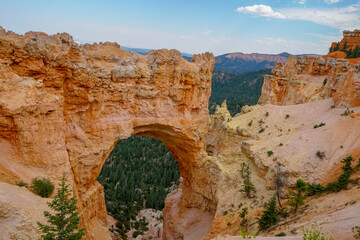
193	26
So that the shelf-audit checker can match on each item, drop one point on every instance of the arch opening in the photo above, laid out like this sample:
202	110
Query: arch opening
137	176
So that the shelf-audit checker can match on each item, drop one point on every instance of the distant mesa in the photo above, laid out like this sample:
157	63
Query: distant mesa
348	47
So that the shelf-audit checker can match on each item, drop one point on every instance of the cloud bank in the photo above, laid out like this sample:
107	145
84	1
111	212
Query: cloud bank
340	18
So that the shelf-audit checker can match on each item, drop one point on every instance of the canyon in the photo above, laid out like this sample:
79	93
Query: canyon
64	106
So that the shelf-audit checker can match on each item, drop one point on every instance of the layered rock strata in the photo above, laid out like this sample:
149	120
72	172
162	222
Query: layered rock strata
63	107
309	79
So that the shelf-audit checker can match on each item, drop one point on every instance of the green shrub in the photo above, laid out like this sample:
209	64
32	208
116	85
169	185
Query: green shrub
315	189
21	184
270	215
225	213
282	234
319	125
343	179
42	187
324	82
270	153
320	155
261	130
356	231
287	116
266	114
297	197
250	123
243	212
314	233
245	235
347	112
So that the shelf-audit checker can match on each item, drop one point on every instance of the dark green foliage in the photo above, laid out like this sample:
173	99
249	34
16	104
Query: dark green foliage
343	179
139	171
315	189
345	46
225	213
297	197
324	82
250	123
239	89
21	184
270	153
282	234
354	53
283	212
319	125
320	155
356	231
248	187
261	130
270	215
42	187
266	114
336	48
347	112
64	223
243	213
140	227
287	116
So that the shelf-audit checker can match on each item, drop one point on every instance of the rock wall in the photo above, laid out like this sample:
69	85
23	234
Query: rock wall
309	79
63	107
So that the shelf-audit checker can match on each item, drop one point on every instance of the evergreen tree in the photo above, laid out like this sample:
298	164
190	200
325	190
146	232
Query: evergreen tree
345	46
270	216
297	197
248	186
64	223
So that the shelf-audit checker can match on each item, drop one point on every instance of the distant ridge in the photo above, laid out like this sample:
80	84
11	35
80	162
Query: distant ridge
236	62
239	62
144	51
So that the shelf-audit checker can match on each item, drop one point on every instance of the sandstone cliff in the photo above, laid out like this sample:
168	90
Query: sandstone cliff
63	107
309	79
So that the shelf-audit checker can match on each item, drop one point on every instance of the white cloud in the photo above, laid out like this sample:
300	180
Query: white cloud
340	18
206	32
261	10
302	2
331	1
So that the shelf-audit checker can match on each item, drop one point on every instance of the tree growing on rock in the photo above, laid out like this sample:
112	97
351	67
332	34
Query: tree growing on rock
270	215
64	223
248	187
297	197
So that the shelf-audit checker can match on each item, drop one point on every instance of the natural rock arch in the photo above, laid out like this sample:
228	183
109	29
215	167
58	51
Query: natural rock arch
63	107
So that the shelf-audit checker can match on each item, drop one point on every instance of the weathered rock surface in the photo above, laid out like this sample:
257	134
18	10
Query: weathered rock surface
289	133
20	210
309	79
63	107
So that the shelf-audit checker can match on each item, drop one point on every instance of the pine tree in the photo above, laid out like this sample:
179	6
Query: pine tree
297	198
63	224
248	186
270	216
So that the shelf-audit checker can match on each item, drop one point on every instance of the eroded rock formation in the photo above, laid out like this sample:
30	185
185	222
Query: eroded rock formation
309	79
63	107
